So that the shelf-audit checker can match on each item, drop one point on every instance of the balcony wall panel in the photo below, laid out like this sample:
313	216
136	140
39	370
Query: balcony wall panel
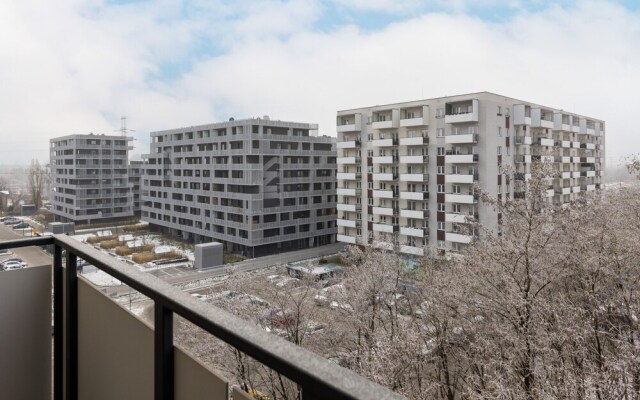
115	355
25	333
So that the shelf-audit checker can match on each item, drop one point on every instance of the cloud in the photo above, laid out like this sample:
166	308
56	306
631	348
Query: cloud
78	66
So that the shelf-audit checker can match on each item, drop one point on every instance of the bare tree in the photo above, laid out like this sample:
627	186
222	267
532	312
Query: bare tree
37	182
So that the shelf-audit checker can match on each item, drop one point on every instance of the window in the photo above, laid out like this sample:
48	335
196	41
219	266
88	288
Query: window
440	225
440	132
441	244
369	136
499	110
440	169
456	208
440	113
440	188
499	150
508	151
500	131
441	207
410	115
456	189
441	151
370	153
499	189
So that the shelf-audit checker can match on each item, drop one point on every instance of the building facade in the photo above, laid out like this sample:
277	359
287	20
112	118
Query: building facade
135	179
256	185
410	169
89	178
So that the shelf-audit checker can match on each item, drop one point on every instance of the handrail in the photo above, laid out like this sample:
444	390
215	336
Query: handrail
318	377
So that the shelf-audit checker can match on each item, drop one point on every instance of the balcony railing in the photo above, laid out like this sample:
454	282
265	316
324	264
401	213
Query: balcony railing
317	377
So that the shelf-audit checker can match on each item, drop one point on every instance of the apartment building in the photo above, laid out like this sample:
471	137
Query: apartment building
135	178
256	185
410	169
90	179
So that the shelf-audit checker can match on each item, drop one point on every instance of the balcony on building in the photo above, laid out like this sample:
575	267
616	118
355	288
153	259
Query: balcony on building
345	239
551	192
383	160
348	176
349	123
461	111
545	142
383	211
460	158
470	177
590	188
383	194
416	140
458	238
385	119
563	190
347	160
414	214
63	338
348	207
542	118
413	232
347	192
460	198
380	227
418	195
457	137
575	189
414	159
349	144
347	223
412	250
414	116
566	174
521	114
523	158
588	146
561	122
562	159
385	141
523	140
417	177
457	218
383	176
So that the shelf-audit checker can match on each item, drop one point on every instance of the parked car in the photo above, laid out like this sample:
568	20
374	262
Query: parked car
13	265
12	222
21	225
9	260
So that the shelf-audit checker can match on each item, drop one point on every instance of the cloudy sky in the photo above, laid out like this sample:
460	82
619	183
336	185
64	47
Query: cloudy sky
76	66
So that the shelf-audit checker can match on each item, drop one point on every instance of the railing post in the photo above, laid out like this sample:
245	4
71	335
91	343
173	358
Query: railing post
72	327
58	333
163	352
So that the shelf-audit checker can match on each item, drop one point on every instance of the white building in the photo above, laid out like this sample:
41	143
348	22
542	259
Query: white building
410	168
89	178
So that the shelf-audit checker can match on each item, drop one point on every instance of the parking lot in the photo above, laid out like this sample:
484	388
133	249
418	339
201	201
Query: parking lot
33	256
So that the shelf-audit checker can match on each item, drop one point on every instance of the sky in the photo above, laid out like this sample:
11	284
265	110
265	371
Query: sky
76	66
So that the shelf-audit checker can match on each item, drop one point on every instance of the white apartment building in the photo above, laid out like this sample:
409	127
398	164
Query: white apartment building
90	179
257	185
410	168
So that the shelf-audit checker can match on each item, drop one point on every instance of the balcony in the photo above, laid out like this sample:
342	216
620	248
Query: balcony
413	232
101	351
383	228
383	160
383	194
575	174
418	121
562	159
467	138
588	146
414	141
524	140
348	160
575	145
413	250
352	144
347	192
414	177
550	192
383	176
565	190
576	189
384	124
466	111
346	239
348	207
460	178
384	142
545	142
458	238
382	211
456	218
415	214
590	188
349	124
348	176
566	175
414	159
414	196
347	223
460	198
523	158
461	158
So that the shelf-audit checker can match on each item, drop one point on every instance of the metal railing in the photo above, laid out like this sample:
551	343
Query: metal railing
318	377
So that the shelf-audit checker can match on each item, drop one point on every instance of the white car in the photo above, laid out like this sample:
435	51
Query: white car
13	265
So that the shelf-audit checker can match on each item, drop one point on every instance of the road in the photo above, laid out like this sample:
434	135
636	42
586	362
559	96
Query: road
34	256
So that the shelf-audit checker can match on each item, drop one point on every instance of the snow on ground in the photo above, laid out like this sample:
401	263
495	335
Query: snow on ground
101	278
